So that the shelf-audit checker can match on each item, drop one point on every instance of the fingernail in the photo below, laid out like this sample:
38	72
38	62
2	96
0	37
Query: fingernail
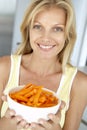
50	116
33	126
41	122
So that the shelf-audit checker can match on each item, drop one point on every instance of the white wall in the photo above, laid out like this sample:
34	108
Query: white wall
20	8
7	10
80	51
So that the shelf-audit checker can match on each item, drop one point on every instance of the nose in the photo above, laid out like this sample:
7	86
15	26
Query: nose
45	41
46	38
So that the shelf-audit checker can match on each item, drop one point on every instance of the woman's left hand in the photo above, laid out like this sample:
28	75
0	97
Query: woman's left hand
47	125
52	124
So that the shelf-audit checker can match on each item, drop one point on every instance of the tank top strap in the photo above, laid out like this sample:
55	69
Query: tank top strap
14	72
65	89
66	84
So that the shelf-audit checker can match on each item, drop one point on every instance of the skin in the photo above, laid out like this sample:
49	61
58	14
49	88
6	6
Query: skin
47	38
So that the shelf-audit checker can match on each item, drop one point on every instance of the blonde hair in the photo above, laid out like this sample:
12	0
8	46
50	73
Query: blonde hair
34	8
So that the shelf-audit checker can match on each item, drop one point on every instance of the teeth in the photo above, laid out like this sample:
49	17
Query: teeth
45	46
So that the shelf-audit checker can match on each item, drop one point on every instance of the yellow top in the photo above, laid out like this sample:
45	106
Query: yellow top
63	89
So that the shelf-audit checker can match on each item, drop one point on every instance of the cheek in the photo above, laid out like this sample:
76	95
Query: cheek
33	36
60	42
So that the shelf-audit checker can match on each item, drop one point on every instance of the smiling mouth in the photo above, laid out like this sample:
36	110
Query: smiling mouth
46	47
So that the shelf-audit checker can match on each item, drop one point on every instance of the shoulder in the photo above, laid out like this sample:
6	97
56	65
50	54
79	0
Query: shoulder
4	61
81	79
79	88
5	64
78	101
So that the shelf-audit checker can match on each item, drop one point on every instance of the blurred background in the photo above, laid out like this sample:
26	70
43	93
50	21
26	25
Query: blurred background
7	16
11	13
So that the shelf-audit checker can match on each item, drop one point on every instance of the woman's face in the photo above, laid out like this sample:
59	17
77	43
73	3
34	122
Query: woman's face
47	36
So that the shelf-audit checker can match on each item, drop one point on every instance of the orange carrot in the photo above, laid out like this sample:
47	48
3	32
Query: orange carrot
35	96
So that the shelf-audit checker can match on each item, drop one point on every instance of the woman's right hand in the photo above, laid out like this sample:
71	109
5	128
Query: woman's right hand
12	120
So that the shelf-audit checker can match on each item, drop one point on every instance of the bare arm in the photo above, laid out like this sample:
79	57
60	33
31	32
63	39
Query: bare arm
10	120
78	102
4	74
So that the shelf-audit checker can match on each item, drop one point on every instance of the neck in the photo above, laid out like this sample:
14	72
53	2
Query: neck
44	67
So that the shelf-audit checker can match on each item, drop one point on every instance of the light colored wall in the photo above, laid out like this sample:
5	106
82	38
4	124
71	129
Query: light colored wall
7	10
20	9
80	51
6	33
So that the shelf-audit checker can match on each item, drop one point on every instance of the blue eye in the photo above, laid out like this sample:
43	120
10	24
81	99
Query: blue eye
58	29
38	27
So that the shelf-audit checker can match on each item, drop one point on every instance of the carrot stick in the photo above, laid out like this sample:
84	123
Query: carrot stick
18	97
35	96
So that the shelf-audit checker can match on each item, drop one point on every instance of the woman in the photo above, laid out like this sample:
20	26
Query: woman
43	58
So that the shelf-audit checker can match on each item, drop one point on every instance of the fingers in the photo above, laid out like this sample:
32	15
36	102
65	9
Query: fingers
45	124
22	124
56	118
53	123
35	126
10	113
62	105
17	120
4	98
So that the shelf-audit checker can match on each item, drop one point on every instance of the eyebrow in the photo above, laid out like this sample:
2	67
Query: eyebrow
54	23
59	24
